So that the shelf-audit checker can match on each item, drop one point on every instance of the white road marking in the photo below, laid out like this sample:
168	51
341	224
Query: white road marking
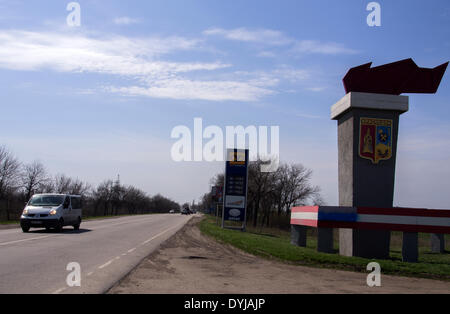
24	240
133	249
105	265
89	274
59	291
160	234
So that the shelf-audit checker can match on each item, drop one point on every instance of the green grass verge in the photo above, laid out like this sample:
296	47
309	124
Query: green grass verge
9	222
277	246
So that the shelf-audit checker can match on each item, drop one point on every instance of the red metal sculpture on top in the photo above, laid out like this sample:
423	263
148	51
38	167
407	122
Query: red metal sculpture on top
394	78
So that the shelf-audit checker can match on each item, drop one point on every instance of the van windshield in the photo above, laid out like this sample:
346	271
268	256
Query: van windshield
46	200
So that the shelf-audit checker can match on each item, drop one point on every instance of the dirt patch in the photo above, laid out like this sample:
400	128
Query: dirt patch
192	263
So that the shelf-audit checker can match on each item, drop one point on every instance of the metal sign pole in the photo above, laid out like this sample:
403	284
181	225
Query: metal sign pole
218	214
244	226
224	190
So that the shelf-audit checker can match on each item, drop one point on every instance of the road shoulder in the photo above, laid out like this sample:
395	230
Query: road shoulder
190	262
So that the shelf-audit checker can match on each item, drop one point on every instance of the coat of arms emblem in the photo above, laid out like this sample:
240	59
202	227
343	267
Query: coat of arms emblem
375	139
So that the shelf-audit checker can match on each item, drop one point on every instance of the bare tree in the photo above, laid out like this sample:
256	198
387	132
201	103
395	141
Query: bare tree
78	187
318	200
299	190
9	177
103	195
9	171
33	178
260	190
134	198
218	180
62	184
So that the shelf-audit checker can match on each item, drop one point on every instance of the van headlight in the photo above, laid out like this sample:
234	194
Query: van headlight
25	212
53	212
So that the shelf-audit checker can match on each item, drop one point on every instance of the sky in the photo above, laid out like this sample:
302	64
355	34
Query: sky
102	99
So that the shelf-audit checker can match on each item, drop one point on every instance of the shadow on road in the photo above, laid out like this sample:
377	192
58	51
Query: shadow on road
64	231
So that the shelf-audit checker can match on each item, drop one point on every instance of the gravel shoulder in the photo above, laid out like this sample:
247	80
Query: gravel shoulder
192	263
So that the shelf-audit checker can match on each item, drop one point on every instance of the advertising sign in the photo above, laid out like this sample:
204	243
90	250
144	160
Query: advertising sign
235	195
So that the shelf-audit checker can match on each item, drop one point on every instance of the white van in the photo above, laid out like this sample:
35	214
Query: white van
52	211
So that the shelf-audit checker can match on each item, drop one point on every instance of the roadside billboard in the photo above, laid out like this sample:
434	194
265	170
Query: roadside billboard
235	194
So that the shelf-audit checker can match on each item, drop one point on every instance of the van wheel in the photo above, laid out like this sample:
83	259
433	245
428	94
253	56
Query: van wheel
25	228
60	225
77	226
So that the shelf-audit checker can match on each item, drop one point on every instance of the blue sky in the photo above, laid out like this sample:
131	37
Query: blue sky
101	99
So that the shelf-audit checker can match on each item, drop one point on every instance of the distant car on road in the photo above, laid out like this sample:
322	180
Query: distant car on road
185	211
52	211
172	211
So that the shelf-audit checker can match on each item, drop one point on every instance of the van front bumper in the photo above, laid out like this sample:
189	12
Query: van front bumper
39	223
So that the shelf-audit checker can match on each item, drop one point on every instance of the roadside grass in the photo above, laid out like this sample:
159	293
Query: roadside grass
275	244
9	222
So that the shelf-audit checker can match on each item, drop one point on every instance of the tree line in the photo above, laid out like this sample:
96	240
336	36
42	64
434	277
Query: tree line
271	195
19	181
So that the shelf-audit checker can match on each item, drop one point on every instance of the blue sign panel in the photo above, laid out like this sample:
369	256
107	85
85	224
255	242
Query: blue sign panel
235	194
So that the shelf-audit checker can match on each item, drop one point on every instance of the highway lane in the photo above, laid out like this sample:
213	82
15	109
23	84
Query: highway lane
106	250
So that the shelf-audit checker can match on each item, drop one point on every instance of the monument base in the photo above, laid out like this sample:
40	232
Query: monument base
410	248
364	243
437	243
325	240
298	235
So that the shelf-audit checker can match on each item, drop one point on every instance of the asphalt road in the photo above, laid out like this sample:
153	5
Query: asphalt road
106	250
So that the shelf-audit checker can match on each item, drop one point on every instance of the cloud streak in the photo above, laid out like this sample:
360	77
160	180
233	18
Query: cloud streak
317	47
146	61
201	90
265	36
32	51
125	20
135	58
270	37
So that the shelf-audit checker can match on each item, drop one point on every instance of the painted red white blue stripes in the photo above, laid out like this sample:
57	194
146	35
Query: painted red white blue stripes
396	219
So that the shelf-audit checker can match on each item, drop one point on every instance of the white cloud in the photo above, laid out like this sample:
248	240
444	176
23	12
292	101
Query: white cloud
315	89
203	90
292	75
144	60
66	52
266	54
264	36
277	38
318	47
137	58
125	20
